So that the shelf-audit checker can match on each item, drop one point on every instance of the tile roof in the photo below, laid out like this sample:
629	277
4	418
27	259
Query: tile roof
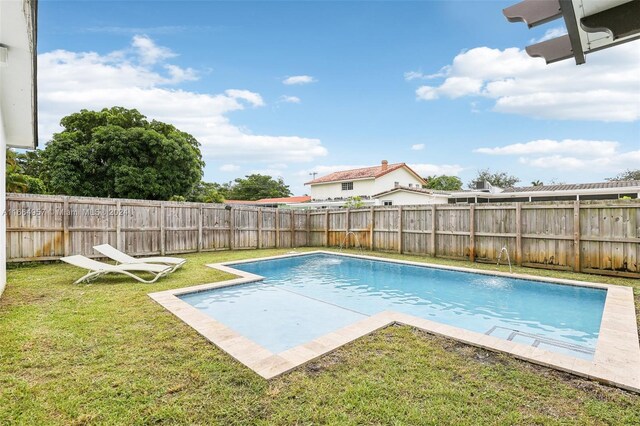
576	186
362	173
299	199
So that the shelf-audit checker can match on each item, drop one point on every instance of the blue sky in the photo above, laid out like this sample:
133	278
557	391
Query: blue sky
443	86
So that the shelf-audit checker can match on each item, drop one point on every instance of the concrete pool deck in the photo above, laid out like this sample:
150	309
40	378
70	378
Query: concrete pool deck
616	360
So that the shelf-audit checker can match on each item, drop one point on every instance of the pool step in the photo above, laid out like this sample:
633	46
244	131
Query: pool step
537	340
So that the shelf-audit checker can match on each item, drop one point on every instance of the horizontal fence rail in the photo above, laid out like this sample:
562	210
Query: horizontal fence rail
592	237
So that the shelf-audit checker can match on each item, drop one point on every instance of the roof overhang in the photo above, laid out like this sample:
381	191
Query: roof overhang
419	193
18	72
592	25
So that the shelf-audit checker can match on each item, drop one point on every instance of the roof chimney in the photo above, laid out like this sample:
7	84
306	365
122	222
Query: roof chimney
385	164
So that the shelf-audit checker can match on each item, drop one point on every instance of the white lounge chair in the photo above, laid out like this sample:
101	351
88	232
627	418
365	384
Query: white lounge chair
99	268
123	258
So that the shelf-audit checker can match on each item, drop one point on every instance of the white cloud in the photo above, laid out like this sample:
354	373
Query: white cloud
229	168
299	79
179	74
138	78
607	88
417	147
617	163
549	34
424	169
278	166
547	146
290	99
419	75
150	53
570	154
276	173
253	98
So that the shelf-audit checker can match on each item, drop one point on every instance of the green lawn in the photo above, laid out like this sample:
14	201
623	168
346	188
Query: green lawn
105	353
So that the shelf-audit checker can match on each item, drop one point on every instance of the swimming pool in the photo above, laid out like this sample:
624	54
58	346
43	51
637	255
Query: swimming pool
305	297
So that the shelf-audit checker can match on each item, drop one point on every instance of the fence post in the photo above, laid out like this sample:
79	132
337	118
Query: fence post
472	233
433	230
65	225
347	221
326	228
293	229
519	234
372	212
119	225
576	236
308	227
400	229
277	211
232	227
259	227
162	233
200	210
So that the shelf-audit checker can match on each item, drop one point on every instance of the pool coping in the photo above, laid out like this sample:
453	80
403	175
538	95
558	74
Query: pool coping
616	360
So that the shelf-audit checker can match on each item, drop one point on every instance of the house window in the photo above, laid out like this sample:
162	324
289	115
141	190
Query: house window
347	186
410	185
387	202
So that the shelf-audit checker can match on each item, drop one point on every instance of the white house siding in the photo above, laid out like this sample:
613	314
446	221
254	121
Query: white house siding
409	198
324	191
402	176
17	94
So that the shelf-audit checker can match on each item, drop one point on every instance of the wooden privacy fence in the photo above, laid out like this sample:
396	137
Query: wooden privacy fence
48	227
593	237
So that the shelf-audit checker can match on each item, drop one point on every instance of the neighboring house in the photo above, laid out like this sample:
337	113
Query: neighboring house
271	202
612	190
410	196
18	98
335	188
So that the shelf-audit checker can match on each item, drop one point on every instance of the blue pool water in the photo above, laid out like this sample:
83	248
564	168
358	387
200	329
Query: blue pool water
305	297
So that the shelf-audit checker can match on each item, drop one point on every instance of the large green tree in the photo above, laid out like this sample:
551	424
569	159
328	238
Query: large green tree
117	152
627	175
256	186
443	183
499	179
17	178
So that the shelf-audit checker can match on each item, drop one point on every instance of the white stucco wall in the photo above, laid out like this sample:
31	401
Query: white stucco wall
334	189
3	217
367	187
407	198
402	176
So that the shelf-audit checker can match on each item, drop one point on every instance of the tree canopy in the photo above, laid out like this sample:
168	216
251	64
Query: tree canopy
499	179
116	152
255	187
206	192
627	175
443	183
17	177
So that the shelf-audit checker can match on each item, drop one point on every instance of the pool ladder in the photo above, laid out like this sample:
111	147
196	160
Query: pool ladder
537	339
346	241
